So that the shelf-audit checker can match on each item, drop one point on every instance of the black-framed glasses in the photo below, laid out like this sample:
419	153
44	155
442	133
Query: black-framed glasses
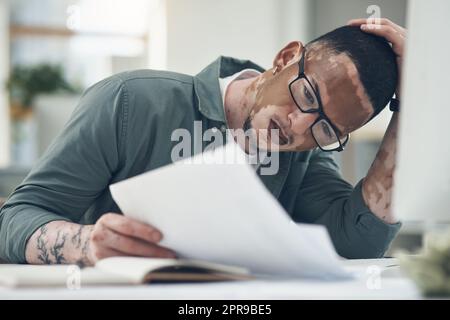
307	99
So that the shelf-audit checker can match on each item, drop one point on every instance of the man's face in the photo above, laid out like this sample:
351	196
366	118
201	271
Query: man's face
344	100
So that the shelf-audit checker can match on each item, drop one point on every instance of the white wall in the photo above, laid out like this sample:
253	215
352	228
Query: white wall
198	31
157	35
332	14
4	58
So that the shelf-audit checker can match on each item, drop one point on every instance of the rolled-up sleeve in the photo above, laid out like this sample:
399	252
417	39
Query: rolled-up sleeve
72	173
326	198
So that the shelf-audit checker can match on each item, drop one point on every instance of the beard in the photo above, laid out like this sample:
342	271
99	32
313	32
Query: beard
257	145
247	124
251	144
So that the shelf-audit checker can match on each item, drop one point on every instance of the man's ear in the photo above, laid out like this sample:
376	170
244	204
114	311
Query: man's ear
288	55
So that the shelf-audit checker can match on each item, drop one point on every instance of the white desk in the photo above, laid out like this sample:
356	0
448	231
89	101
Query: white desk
376	281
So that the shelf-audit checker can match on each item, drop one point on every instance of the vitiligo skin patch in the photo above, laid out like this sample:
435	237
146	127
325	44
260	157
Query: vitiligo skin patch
377	186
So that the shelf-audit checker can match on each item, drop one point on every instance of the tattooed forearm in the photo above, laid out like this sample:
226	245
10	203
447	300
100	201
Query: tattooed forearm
42	246
59	242
57	248
76	238
84	260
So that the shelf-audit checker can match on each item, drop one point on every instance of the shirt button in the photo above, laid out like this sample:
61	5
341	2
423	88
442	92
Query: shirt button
223	128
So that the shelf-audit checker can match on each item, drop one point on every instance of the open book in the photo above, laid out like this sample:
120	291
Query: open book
120	271
140	270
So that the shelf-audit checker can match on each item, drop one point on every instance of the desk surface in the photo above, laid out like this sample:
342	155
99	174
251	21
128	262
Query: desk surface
377	279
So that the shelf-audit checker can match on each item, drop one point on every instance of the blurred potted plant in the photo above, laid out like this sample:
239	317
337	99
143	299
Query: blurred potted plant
24	85
26	82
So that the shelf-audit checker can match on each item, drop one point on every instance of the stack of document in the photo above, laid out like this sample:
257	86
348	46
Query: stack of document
214	207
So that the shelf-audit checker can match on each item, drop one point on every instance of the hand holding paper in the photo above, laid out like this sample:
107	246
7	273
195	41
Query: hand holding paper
221	212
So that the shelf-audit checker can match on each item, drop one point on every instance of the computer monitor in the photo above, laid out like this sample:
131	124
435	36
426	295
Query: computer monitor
422	177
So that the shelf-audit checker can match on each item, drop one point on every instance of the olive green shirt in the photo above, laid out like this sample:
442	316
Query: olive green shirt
122	127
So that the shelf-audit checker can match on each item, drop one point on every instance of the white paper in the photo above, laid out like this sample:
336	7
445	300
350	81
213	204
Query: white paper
222	212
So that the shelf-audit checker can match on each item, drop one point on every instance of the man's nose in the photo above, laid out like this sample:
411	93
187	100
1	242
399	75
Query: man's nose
301	121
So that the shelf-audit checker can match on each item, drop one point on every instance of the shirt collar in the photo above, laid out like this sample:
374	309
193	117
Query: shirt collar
207	88
243	74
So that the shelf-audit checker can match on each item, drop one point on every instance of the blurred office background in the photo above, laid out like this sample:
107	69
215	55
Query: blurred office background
75	43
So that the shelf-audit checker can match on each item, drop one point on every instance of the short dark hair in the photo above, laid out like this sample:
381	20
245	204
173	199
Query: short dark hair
373	57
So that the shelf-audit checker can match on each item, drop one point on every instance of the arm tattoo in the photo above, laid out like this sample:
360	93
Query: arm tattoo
84	260
58	246
76	238
60	242
42	246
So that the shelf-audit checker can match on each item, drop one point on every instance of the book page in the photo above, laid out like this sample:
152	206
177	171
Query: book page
136	269
222	212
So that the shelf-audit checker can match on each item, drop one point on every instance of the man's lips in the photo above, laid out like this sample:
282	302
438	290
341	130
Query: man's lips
281	135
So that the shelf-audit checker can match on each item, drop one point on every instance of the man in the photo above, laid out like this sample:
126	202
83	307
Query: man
315	95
